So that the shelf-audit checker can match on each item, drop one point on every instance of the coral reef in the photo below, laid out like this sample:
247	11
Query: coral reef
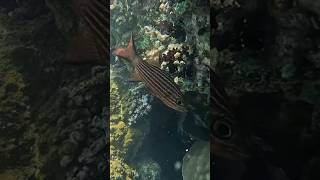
52	115
128	126
195	163
149	170
185	53
164	37
265	51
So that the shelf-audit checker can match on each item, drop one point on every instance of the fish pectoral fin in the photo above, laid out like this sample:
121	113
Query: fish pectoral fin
135	77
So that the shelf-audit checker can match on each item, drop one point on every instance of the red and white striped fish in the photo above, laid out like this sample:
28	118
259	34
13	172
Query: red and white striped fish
159	82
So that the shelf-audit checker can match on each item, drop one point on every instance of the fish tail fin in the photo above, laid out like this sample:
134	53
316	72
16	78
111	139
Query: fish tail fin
129	52
83	49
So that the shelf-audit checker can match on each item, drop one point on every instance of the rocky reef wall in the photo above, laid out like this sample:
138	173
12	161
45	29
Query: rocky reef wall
53	115
267	53
174	36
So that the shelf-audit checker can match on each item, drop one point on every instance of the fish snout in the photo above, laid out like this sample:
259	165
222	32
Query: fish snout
114	52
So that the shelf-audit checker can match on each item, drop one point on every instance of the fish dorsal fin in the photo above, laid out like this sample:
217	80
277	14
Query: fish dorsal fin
131	48
131	44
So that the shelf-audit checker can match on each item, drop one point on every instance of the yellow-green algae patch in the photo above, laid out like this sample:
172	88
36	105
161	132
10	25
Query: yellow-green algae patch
15	174
124	139
12	95
12	85
10	175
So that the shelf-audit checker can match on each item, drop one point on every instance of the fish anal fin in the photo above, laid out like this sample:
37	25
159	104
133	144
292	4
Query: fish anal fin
135	77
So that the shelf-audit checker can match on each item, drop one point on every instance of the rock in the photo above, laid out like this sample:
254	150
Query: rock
83	173
65	161
77	136
78	100
288	71
149	170
196	162
311	5
88	154
69	147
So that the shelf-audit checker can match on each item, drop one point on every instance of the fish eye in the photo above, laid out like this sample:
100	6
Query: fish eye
222	130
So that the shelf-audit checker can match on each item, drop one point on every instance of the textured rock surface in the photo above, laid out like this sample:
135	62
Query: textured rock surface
266	51
195	164
53	115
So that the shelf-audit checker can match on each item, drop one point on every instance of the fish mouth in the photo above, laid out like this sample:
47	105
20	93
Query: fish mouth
114	52
118	51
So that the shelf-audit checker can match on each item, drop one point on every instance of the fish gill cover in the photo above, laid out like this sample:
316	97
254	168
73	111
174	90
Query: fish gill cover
148	140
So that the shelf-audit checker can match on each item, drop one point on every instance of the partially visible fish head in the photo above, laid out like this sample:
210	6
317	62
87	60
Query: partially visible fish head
228	142
128	53
121	52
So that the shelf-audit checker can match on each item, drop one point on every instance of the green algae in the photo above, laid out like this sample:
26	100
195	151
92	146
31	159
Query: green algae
125	140
181	8
12	85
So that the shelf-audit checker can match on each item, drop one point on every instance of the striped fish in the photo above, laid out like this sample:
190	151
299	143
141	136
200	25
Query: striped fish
227	137
159	82
92	44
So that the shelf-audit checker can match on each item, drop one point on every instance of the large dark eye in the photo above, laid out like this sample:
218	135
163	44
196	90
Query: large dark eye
222	130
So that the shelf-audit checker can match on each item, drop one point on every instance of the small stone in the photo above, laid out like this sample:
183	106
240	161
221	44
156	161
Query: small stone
78	100
69	147
77	136
65	161
82	175
288	71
